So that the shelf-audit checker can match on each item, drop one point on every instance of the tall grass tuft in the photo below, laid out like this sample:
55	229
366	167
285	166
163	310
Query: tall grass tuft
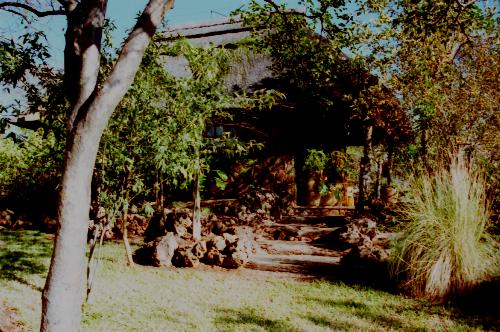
445	249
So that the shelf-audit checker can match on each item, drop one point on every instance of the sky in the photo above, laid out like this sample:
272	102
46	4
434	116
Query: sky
123	14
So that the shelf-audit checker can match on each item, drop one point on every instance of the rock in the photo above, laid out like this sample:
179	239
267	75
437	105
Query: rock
178	221
156	227
218	228
217	242
257	205
229	238
246	239
232	262
357	233
184	257
366	254
367	227
7	217
213	257
164	250
199	249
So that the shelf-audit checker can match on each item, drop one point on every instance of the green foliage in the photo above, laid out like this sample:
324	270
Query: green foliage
18	60
30	167
445	249
30	170
221	179
315	161
159	141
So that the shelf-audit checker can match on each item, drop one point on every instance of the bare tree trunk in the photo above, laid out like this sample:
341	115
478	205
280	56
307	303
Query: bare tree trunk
128	250
390	159
162	195
376	188
64	289
197	204
92	269
364	168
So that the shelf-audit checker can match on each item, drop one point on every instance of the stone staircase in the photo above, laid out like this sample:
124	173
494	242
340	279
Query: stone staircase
294	246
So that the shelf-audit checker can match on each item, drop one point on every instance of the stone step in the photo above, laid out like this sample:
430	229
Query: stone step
278	247
298	264
329	221
301	230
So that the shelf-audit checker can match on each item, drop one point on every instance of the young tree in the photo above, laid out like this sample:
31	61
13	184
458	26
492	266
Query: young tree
92	105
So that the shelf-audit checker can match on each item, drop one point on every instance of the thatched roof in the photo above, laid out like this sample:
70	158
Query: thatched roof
249	73
305	127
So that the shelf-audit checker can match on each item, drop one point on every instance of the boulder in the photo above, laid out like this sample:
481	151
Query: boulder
199	249
246	240
184	257
357	233
179	222
7	218
217	242
164	250
218	227
232	262
230	238
257	205
366	254
213	257
156	227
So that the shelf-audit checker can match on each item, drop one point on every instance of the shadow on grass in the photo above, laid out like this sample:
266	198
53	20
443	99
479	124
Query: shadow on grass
363	311
481	304
23	254
327	322
384	316
234	320
365	274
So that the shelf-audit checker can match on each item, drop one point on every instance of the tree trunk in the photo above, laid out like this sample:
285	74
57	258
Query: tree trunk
197	205
390	159
376	188
62	296
128	250
364	168
64	289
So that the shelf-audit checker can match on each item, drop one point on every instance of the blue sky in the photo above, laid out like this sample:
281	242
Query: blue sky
123	13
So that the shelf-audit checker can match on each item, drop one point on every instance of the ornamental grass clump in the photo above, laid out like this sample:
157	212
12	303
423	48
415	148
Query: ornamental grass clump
445	249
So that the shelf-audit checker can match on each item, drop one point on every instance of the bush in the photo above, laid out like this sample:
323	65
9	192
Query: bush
30	171
445	249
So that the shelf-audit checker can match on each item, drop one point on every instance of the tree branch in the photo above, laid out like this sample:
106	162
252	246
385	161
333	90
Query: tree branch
24	17
30	9
69	5
82	52
123	73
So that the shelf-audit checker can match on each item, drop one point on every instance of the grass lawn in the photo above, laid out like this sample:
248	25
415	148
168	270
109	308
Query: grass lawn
157	299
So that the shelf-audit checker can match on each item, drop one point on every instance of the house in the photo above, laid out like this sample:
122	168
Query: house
291	127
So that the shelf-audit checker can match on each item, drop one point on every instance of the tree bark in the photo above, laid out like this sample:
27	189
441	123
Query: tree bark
364	167
376	188
128	250
390	160
197	205
64	290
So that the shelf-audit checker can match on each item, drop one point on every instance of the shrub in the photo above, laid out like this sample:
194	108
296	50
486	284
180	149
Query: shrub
30	172
445	249
315	160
